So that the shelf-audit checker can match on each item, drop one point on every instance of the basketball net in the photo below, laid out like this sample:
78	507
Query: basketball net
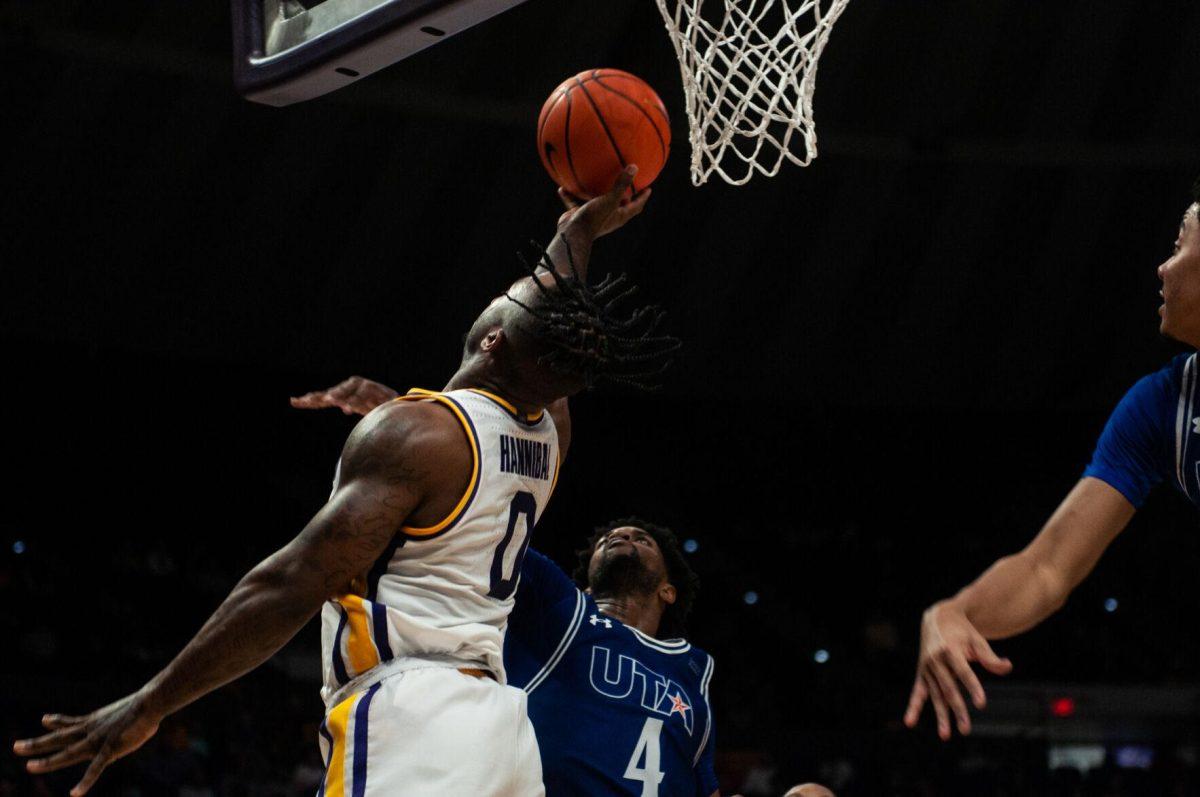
749	72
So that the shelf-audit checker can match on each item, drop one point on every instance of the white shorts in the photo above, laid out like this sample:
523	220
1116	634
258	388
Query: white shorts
432	732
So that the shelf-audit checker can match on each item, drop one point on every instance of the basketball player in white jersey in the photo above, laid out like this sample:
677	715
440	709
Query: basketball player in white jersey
413	560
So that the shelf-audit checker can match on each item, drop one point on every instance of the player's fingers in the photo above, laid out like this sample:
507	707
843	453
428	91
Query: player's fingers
966	676
916	701
939	707
101	760
637	204
344	390
568	199
624	180
331	399
52	722
80	751
48	743
988	658
951	693
316	400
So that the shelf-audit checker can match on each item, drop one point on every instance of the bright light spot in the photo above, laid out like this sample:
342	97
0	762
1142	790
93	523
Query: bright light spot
19	546
1062	707
821	656
690	546
1110	605
750	598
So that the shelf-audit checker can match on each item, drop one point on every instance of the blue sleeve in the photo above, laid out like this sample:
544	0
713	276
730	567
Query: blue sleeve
1134	452
544	608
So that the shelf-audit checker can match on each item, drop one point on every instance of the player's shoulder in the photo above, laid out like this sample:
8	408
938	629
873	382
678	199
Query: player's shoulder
696	666
416	415
1174	371
1181	369
701	662
677	650
403	429
1161	389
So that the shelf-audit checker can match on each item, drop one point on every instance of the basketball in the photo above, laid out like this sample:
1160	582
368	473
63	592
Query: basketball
596	123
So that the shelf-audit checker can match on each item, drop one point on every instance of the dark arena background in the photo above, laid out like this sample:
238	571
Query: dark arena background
896	363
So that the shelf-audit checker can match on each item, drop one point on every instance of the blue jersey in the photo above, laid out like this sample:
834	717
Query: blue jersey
616	712
1154	435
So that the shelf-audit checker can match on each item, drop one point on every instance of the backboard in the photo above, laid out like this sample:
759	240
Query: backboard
288	51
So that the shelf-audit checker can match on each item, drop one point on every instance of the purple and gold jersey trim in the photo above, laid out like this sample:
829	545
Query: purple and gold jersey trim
510	408
361	640
344	740
428	532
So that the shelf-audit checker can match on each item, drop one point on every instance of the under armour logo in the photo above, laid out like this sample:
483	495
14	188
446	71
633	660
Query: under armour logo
1195	425
597	619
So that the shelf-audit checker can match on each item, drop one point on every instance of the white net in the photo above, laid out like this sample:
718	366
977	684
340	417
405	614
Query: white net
749	72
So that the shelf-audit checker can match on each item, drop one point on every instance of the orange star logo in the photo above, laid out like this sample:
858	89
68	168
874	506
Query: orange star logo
677	704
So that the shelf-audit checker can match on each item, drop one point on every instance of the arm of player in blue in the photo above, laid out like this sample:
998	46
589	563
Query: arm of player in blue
1135	451
545	605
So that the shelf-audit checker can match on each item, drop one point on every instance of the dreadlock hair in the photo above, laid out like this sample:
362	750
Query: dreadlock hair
587	334
674	619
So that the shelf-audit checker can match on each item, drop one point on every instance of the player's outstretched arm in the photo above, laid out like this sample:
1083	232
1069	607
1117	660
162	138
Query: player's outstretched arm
1013	595
382	480
582	223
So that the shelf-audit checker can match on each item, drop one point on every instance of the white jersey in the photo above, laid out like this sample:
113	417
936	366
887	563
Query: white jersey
442	594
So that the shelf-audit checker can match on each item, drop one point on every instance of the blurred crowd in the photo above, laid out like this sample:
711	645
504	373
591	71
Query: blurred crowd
86	623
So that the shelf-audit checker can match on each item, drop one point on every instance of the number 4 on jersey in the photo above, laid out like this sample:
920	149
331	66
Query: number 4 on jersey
648	748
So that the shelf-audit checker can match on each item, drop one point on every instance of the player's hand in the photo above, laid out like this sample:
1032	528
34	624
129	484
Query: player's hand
100	738
607	212
353	396
949	643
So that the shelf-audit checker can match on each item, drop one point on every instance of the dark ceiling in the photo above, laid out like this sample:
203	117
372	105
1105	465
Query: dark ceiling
997	182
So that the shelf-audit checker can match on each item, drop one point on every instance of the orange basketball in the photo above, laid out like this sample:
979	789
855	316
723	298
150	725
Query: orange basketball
596	123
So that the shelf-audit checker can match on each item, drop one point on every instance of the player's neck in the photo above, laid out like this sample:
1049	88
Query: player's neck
473	377
640	612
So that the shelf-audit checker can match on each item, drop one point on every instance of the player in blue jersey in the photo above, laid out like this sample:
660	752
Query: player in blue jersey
1152	436
617	696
